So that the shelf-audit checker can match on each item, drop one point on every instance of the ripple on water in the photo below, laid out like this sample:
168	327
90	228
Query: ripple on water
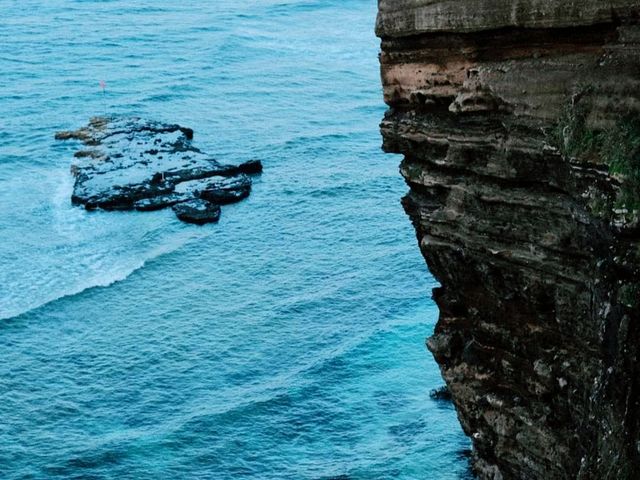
285	342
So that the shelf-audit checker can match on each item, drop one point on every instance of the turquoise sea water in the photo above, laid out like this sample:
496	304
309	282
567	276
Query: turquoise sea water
285	342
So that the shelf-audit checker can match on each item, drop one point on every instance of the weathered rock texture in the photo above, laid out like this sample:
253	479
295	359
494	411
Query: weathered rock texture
131	163
537	253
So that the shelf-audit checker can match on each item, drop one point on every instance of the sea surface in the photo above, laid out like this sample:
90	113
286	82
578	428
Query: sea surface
286	342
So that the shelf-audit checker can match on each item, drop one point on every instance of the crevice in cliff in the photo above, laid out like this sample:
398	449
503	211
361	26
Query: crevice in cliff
499	44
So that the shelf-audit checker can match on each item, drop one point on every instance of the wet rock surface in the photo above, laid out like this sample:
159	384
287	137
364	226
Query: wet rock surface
197	211
538	338
136	164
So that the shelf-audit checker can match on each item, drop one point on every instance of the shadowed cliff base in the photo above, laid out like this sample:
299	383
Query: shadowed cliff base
517	123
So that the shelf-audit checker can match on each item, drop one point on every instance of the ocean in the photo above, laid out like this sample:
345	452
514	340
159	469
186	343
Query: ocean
286	342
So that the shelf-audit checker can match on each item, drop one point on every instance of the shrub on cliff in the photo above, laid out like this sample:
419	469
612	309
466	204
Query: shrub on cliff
617	146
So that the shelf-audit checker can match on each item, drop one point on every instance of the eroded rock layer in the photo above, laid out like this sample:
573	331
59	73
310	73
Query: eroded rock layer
519	126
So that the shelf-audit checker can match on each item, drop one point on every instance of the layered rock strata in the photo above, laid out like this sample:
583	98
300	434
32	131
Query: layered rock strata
518	123
136	164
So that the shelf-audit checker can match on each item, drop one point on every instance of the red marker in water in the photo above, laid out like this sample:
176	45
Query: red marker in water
103	85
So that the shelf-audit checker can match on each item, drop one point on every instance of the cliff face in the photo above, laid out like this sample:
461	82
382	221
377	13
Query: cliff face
518	123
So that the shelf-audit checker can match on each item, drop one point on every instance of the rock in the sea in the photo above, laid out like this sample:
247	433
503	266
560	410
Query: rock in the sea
197	211
250	167
131	163
519	123
226	190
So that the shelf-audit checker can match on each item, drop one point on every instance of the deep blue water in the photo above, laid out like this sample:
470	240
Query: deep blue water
285	342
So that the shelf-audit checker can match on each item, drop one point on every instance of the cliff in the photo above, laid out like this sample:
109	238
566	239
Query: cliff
519	125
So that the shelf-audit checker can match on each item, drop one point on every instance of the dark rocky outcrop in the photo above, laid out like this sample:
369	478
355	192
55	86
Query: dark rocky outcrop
519	123
197	211
131	163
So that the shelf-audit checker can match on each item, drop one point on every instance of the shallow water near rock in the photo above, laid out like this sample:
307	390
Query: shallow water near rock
287	341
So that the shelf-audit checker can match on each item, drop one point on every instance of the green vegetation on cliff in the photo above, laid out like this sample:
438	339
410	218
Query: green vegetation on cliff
617	146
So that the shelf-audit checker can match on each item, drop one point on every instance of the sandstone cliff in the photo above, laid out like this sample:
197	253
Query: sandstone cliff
520	129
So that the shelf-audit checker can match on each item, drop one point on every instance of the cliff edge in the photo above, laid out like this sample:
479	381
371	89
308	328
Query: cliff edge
519	123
